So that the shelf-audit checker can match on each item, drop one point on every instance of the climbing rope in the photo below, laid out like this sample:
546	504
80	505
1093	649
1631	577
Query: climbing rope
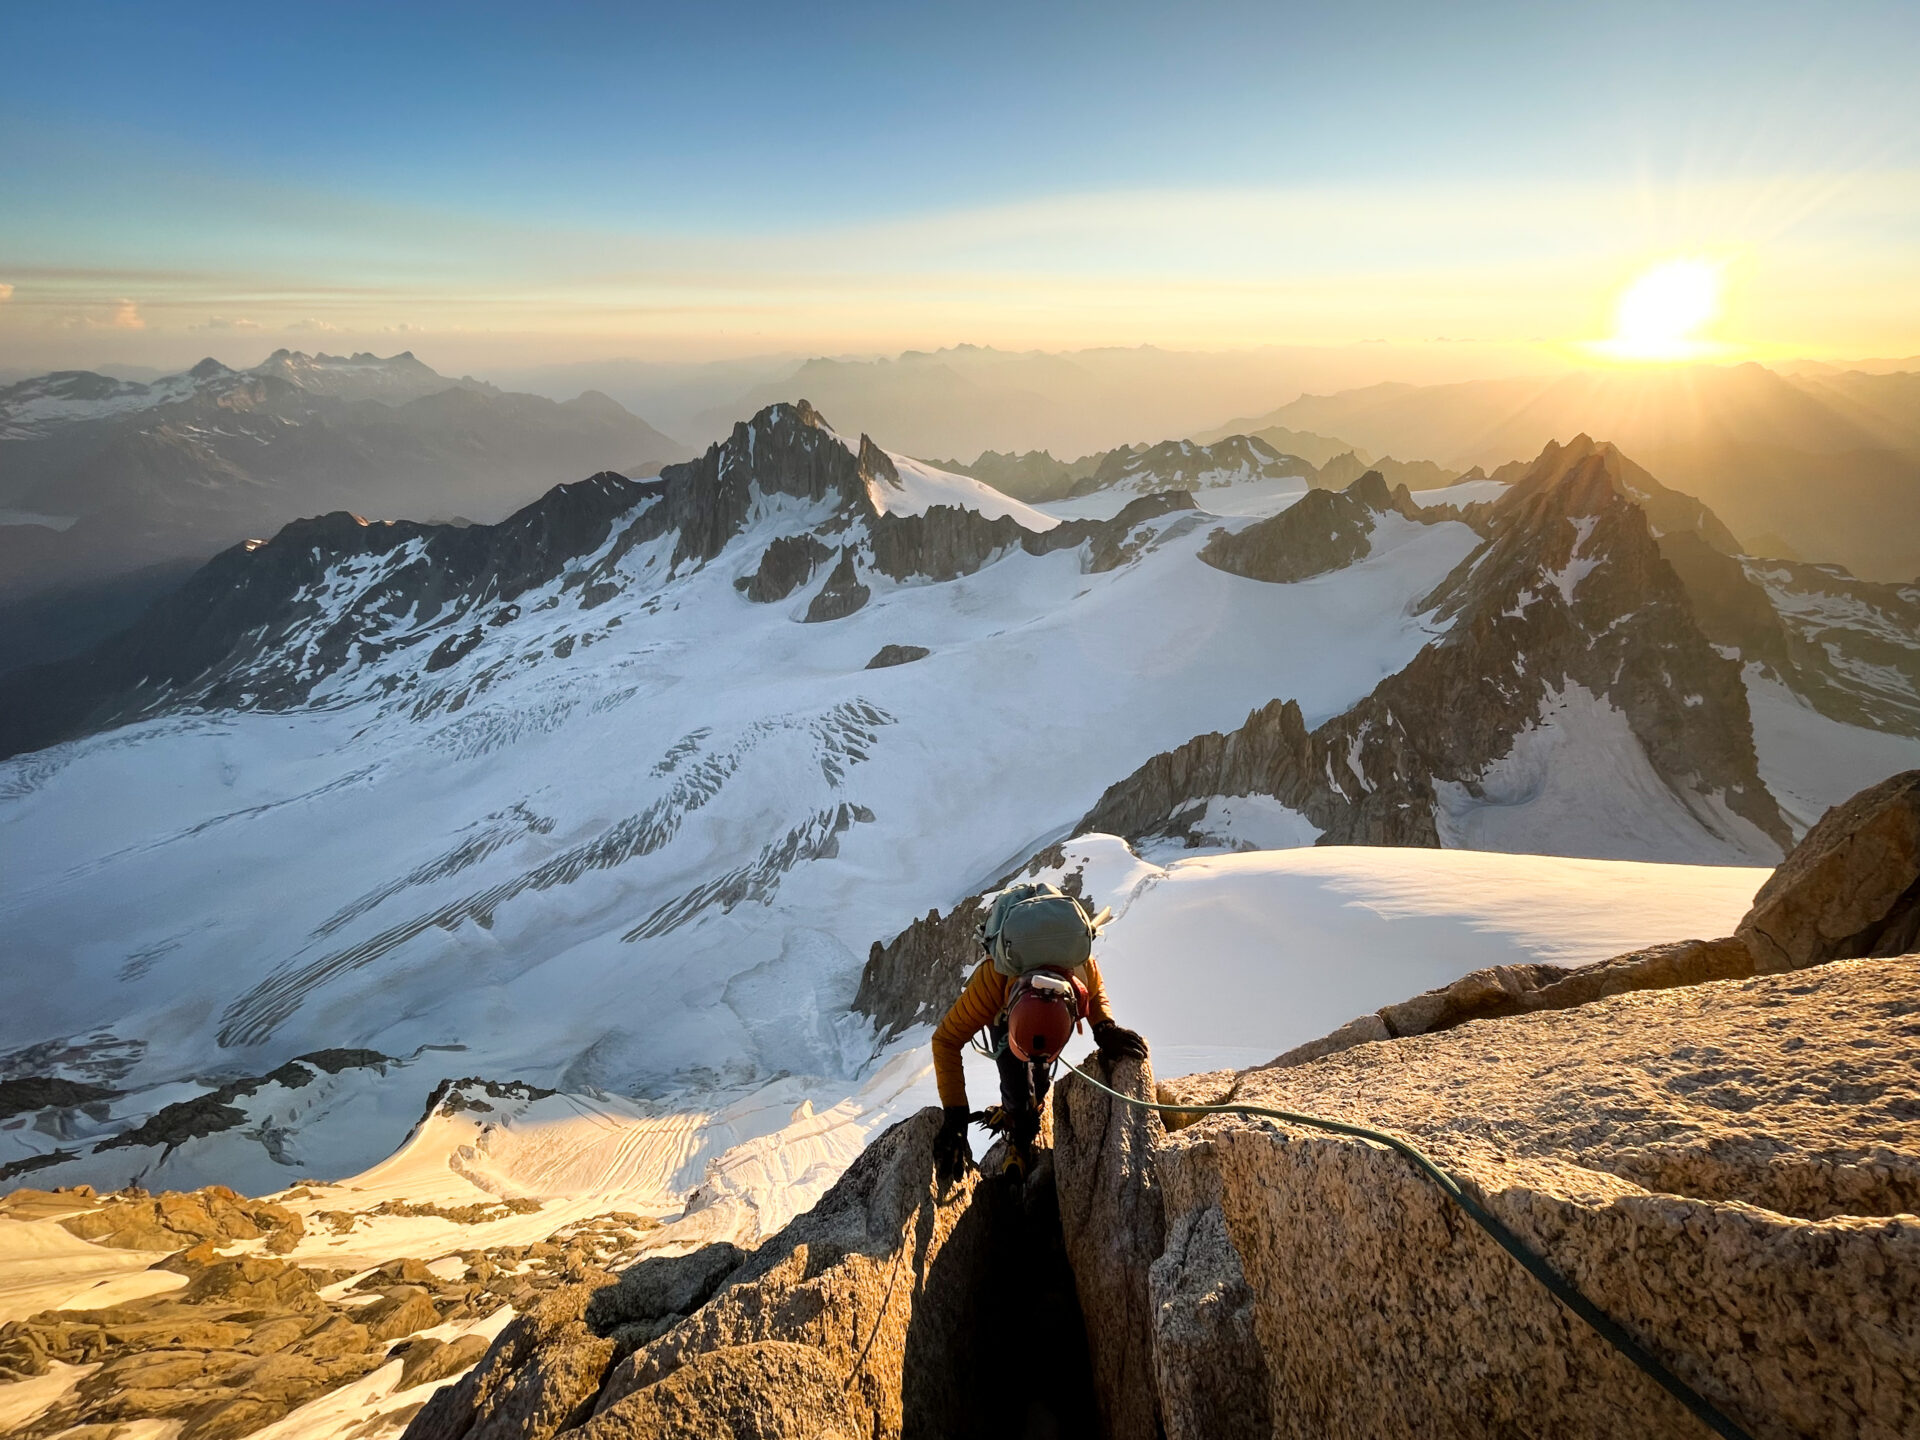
1603	1324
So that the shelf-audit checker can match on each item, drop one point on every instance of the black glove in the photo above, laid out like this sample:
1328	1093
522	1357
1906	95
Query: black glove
1116	1042
952	1155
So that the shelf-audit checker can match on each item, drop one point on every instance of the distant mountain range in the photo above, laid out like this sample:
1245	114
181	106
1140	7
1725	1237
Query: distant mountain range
1817	463
111	489
1229	458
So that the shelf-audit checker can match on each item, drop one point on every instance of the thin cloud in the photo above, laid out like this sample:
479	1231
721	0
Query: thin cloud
6	292
125	316
318	326
224	322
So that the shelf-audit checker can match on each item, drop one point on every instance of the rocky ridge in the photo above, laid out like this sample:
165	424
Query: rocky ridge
1723	1165
876	1313
1342	470
242	1338
1186	465
1325	530
1569	596
267	625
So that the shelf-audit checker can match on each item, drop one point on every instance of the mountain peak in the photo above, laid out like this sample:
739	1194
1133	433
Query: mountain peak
1583	464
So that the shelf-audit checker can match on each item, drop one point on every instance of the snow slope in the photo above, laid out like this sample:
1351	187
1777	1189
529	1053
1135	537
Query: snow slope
1222	959
645	855
918	486
633	838
1810	761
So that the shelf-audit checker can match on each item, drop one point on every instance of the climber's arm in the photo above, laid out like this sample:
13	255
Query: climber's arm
1116	1042
983	999
1098	1011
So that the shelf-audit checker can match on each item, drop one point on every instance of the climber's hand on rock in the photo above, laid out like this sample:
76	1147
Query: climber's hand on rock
1116	1042
952	1156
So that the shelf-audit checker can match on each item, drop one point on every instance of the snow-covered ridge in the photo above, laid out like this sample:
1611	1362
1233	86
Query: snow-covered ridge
914	487
1239	475
606	798
35	408
558	792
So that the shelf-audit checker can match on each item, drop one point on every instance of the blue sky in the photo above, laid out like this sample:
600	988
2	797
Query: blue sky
636	177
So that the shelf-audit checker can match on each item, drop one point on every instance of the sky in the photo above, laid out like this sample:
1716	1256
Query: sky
492	185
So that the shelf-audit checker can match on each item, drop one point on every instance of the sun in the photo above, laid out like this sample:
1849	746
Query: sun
1661	314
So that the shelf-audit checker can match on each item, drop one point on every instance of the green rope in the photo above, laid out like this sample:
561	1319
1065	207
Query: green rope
1603	1324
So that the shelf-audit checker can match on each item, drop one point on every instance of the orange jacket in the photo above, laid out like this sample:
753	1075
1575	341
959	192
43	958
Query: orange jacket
980	1005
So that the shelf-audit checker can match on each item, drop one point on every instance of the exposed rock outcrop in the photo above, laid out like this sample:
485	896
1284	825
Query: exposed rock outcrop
1521	989
1727	1169
877	1313
1732	609
1115	1228
841	595
1325	530
1668	511
175	1220
1851	887
887	656
787	563
1271	754
249	1337
912	978
1340	471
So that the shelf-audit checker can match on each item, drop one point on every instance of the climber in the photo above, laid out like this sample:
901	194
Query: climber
1036	984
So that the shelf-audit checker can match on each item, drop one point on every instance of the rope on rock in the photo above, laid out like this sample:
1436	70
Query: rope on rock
1603	1324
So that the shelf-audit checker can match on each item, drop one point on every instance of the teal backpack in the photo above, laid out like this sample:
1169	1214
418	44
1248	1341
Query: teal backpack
1039	927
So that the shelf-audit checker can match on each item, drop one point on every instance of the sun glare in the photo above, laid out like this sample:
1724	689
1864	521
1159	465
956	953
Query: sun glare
1661	314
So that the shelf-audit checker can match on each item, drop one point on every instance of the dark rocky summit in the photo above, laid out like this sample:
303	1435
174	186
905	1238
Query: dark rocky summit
1669	512
1325	530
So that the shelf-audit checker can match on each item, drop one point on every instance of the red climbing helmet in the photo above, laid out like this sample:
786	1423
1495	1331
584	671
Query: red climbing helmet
1042	1014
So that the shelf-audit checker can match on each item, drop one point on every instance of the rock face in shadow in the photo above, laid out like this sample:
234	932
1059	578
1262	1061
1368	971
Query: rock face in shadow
912	978
841	595
1323	530
1115	1228
787	563
1271	754
889	1309
1728	1169
1851	886
887	656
